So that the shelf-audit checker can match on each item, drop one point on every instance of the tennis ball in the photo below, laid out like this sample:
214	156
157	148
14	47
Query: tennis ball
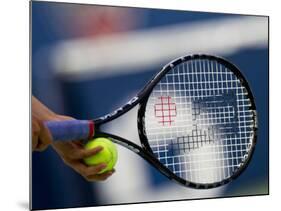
107	155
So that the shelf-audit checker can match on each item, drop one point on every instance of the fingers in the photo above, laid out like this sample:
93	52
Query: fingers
84	153
91	170
91	173
72	153
74	150
44	139
99	177
78	143
40	136
35	134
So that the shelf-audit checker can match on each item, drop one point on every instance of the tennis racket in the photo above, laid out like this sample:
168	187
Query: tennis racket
197	122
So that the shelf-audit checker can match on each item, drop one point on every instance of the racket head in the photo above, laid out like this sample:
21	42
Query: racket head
199	120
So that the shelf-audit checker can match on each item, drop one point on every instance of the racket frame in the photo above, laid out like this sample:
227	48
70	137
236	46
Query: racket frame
145	151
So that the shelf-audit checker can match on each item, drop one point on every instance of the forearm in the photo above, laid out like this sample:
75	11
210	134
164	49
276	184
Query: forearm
40	111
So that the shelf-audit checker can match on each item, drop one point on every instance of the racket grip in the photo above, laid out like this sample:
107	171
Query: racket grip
70	130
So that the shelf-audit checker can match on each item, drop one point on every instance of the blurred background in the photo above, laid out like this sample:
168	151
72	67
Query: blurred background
88	60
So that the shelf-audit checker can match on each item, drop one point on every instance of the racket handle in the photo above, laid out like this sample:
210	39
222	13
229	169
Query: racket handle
70	130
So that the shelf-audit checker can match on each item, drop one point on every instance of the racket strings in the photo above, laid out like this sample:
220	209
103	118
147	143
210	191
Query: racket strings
198	121
196	139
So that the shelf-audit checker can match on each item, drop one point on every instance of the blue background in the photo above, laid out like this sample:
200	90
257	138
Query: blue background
55	185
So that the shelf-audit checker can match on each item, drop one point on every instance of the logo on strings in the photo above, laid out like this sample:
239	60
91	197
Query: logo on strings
165	110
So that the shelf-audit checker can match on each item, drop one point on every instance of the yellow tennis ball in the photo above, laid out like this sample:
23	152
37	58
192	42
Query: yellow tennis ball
107	155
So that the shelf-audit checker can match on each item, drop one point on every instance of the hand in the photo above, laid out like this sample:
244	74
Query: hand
41	137
73	153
